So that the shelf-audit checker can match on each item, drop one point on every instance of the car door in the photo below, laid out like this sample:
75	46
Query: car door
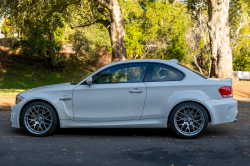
162	82
117	93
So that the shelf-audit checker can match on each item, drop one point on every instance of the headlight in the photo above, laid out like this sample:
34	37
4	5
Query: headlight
19	99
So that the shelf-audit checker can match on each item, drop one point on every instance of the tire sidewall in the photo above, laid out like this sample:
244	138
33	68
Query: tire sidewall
54	119
184	104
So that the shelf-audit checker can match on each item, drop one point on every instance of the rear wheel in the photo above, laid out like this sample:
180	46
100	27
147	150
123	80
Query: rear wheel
39	119
189	120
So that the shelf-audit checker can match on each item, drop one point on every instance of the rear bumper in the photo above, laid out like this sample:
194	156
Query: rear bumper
222	110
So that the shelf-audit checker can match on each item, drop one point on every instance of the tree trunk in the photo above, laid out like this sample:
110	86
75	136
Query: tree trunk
117	32
45	58
52	51
219	32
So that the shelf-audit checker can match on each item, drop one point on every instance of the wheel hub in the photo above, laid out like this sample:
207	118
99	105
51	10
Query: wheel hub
189	120
38	119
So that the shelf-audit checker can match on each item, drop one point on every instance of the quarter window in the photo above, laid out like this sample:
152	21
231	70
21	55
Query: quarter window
122	74
159	72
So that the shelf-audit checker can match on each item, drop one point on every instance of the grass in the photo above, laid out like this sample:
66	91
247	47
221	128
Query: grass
18	74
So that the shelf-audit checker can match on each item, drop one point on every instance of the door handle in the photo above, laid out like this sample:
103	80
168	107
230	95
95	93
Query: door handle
136	91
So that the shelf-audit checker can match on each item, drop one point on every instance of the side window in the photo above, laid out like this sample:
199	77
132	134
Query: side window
159	72
122	74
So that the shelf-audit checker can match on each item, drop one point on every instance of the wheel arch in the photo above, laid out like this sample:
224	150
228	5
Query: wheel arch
35	100
208	113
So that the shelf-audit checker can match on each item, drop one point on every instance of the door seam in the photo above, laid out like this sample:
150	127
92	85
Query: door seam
144	100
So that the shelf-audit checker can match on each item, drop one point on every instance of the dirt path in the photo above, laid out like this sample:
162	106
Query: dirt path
6	102
241	89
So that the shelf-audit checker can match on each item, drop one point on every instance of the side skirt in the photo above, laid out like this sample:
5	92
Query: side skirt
146	123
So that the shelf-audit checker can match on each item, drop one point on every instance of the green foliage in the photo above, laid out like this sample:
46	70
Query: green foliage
86	40
54	47
157	31
6	27
132	13
59	31
98	36
240	34
38	45
35	45
154	29
242	61
40	24
134	39
81	44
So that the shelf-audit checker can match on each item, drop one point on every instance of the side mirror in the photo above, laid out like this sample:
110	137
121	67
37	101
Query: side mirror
89	81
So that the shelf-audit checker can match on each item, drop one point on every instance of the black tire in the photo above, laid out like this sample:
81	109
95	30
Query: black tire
178	123
48	117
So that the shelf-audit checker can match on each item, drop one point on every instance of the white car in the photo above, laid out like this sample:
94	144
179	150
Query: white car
129	94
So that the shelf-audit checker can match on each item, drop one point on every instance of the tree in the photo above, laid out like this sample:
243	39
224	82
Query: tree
156	29
117	29
82	45
6	27
32	14
37	22
109	14
240	34
219	32
198	38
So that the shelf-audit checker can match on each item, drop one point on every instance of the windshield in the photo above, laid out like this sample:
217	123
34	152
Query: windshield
196	72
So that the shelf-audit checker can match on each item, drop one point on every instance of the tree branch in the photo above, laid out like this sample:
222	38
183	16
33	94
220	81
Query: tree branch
105	3
106	23
90	10
84	25
66	18
85	64
104	12
195	61
173	3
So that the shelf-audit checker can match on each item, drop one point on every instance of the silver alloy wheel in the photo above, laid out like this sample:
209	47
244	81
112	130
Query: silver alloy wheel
189	120
38	119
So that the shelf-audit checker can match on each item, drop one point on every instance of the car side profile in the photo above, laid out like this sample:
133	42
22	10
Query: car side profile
129	94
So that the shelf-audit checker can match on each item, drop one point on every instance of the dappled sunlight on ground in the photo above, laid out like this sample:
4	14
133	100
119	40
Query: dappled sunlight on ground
6	103
241	89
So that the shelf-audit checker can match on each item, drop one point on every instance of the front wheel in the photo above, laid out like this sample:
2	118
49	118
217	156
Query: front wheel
39	119
189	120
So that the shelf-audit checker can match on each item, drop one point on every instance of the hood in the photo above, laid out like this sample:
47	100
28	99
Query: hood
47	87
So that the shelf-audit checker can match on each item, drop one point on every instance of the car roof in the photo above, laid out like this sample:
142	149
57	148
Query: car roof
142	60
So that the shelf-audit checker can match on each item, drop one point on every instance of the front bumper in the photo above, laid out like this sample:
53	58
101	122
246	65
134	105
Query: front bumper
14	118
222	110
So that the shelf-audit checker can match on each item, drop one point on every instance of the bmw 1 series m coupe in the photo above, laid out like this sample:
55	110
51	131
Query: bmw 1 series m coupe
129	94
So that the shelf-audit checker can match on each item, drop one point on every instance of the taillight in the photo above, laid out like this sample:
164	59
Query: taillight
226	91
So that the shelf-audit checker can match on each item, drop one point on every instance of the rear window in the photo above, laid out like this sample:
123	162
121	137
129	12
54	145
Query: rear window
160	72
196	72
